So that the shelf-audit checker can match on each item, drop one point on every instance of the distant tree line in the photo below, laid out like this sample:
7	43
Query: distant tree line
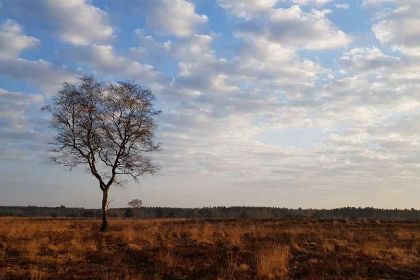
218	213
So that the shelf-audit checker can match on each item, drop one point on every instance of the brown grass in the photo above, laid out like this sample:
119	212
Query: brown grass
42	248
273	262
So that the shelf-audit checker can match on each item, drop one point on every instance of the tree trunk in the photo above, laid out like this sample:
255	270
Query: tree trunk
104	226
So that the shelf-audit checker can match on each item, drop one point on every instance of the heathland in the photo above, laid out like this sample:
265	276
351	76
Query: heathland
70	248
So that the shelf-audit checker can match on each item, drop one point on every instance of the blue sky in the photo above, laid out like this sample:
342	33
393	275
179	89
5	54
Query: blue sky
296	103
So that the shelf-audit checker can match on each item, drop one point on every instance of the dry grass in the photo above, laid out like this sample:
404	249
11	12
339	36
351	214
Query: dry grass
41	248
273	262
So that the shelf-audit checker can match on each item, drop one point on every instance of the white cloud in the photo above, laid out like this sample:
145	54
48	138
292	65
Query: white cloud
375	2
21	131
400	28
174	17
310	2
77	22
310	30
39	72
103	59
246	8
264	62
13	41
408	126
12	111
149	50
296	28
368	59
342	6
254	8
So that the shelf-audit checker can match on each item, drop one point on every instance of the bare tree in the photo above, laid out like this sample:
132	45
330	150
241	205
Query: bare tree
109	128
135	203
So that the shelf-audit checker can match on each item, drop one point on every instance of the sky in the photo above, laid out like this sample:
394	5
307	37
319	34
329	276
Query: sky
287	103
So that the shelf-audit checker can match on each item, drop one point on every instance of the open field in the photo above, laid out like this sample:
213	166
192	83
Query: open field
45	248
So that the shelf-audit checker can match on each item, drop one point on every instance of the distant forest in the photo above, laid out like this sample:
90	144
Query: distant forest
218	213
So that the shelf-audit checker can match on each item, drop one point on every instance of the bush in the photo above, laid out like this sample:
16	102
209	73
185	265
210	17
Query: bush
128	213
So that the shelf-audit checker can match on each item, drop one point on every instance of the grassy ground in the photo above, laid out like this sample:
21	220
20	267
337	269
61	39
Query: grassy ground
208	249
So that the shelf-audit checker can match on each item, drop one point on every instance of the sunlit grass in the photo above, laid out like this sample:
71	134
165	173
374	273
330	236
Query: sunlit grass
39	248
